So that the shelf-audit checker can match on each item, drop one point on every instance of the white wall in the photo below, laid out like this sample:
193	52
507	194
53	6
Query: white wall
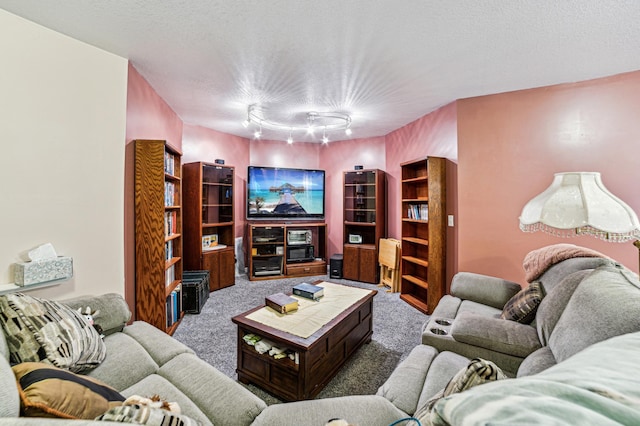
62	134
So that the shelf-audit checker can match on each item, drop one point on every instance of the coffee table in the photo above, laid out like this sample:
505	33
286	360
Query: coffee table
318	357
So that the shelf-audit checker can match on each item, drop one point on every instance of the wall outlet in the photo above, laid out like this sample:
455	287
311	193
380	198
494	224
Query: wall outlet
450	220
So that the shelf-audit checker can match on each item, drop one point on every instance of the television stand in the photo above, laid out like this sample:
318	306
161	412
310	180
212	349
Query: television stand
271	256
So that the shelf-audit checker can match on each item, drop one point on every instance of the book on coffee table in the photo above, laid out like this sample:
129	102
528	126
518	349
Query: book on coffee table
281	303
309	291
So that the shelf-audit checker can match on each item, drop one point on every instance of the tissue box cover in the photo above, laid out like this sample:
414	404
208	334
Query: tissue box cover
39	271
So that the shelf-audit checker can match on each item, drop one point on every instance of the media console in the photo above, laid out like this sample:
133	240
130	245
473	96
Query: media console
278	250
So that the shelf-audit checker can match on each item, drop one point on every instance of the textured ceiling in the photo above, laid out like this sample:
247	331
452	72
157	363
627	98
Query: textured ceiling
384	62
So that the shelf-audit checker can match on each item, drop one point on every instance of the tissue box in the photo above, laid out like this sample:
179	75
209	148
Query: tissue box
40	271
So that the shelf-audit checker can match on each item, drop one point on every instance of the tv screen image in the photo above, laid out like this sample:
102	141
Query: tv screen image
276	192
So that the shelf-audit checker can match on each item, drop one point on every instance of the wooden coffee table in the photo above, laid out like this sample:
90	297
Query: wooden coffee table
320	356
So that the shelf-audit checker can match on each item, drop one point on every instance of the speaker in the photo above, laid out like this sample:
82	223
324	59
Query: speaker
219	161
358	167
335	266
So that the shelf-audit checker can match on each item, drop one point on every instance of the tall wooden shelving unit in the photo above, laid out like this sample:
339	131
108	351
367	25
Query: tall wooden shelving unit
158	234
364	223
423	232
208	196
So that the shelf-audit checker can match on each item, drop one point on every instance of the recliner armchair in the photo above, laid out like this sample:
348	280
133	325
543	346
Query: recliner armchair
467	321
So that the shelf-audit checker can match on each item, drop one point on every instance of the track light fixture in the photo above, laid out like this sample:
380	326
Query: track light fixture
258	132
328	121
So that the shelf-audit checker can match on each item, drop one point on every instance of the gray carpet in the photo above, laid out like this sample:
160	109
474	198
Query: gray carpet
396	330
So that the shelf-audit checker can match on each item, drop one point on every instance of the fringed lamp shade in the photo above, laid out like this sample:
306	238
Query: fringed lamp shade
579	204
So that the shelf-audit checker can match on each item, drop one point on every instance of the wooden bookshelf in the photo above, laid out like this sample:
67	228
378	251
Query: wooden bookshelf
208	198
364	213
158	234
423	192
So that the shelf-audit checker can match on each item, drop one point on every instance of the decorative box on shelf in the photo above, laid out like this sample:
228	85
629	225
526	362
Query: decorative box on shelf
39	271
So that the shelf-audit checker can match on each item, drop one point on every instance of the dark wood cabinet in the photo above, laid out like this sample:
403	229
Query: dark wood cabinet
158	234
364	212
221	267
423	265
209	234
360	263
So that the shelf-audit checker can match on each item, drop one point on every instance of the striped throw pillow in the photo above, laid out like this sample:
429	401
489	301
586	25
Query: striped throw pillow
40	330
477	372
522	307
145	415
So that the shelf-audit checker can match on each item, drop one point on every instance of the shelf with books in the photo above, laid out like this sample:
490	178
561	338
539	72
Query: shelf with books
158	234
174	308
423	195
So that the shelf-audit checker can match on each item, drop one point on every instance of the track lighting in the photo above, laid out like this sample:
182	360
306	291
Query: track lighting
328	121
258	132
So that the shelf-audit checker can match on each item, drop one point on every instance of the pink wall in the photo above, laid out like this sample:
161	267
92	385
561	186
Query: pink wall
299	155
510	146
202	144
148	117
433	135
506	147
336	158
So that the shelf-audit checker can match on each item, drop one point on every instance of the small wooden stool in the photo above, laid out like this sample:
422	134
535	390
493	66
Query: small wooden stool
389	259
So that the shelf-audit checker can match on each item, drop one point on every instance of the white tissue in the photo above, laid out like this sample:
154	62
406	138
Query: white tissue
43	252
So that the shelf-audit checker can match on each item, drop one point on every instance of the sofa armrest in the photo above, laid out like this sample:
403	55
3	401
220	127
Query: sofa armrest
114	311
484	289
498	335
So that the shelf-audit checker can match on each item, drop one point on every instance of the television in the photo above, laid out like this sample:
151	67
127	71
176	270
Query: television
284	193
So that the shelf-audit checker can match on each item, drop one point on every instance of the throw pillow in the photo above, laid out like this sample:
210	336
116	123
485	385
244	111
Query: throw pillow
48	331
146	415
47	391
522	307
477	372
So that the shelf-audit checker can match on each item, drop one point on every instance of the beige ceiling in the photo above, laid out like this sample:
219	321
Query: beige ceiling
384	62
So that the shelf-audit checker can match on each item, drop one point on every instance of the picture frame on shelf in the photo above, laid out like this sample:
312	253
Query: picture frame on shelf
209	241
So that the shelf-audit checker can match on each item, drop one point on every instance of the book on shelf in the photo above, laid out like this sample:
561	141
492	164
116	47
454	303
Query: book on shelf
308	291
281	303
170	275
169	163
168	250
170	223
174	306
418	211
169	194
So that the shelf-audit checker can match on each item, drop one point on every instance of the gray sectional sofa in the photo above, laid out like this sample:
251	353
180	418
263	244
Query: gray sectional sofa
576	370
142	360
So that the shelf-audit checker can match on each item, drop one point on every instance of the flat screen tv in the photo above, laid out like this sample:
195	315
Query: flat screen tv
283	193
